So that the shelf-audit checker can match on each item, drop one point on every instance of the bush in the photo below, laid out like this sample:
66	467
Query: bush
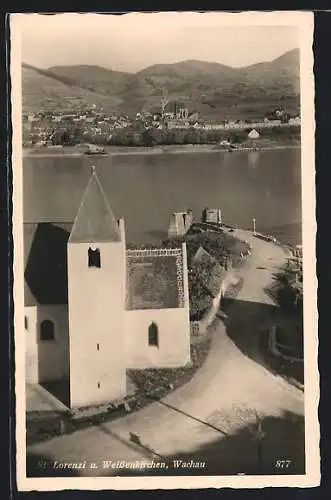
288	293
158	381
203	276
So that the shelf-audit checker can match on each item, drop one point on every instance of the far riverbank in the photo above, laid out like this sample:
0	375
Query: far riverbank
76	151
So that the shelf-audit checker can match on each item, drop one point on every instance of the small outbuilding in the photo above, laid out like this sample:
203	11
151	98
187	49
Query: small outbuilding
253	134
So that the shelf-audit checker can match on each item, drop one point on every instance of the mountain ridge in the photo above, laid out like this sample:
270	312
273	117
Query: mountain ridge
209	87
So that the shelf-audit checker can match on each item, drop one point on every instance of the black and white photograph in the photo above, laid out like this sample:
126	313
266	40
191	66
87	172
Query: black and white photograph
164	250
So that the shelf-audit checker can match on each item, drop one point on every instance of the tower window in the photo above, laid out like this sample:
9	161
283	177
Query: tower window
47	330
26	324
94	257
153	335
98	347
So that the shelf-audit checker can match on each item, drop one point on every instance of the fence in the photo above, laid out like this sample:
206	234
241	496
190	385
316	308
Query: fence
281	350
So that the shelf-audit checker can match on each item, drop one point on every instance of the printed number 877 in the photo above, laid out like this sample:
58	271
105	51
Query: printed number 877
283	464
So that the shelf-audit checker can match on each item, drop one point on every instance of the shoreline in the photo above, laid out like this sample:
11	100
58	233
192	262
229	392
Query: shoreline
72	151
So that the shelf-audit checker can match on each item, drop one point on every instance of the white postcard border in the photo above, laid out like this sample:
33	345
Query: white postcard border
304	22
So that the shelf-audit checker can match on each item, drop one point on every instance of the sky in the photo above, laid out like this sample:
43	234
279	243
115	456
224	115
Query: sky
134	41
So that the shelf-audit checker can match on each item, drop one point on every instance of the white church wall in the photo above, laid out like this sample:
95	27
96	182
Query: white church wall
173	329
46	360
53	354
31	345
173	326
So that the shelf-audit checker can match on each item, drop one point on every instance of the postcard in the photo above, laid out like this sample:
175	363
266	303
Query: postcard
164	230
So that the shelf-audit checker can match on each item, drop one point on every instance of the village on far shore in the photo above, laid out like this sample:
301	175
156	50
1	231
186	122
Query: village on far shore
90	125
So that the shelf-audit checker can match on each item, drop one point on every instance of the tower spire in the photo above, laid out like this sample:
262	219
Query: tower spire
95	220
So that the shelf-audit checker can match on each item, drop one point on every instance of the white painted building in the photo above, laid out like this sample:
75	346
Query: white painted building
180	223
94	308
253	134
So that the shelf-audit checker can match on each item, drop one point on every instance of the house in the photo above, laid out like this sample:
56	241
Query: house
180	124
95	308
253	134
213	215
193	117
209	281
182	114
275	123
294	121
213	279
180	223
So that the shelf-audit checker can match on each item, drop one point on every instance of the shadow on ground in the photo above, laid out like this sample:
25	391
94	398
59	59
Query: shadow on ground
248	323
281	452
59	389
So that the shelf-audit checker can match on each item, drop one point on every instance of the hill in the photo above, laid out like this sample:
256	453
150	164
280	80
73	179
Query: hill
214	90
285	70
43	90
94	78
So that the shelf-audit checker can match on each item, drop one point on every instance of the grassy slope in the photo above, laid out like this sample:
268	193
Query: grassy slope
46	93
101	80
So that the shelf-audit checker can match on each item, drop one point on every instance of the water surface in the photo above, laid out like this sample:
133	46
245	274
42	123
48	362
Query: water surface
146	189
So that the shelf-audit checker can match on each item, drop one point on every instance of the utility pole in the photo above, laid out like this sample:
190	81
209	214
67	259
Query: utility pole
254	226
259	438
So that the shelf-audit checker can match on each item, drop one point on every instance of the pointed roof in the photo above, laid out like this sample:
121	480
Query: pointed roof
95	221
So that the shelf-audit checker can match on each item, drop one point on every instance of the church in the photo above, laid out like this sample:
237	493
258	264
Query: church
95	306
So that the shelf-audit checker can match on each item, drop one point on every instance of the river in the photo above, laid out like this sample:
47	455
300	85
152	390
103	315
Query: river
146	189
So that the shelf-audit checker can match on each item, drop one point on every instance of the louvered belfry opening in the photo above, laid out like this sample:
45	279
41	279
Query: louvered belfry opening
94	259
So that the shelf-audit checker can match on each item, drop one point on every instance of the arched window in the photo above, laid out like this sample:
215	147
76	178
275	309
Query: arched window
26	324
153	335
94	257
47	330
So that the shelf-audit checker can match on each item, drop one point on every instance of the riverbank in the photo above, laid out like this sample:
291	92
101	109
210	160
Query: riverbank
72	151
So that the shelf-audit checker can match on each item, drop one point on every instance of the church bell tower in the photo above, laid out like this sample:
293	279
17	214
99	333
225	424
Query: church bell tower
96	298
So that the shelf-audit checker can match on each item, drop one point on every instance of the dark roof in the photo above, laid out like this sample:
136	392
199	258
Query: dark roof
210	273
153	281
45	263
95	221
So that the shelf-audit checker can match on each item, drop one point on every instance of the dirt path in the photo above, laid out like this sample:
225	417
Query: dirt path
207	415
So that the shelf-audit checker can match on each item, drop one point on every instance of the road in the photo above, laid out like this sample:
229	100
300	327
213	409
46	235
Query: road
212	417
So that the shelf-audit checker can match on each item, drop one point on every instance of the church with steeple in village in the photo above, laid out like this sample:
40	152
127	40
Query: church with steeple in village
95	307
